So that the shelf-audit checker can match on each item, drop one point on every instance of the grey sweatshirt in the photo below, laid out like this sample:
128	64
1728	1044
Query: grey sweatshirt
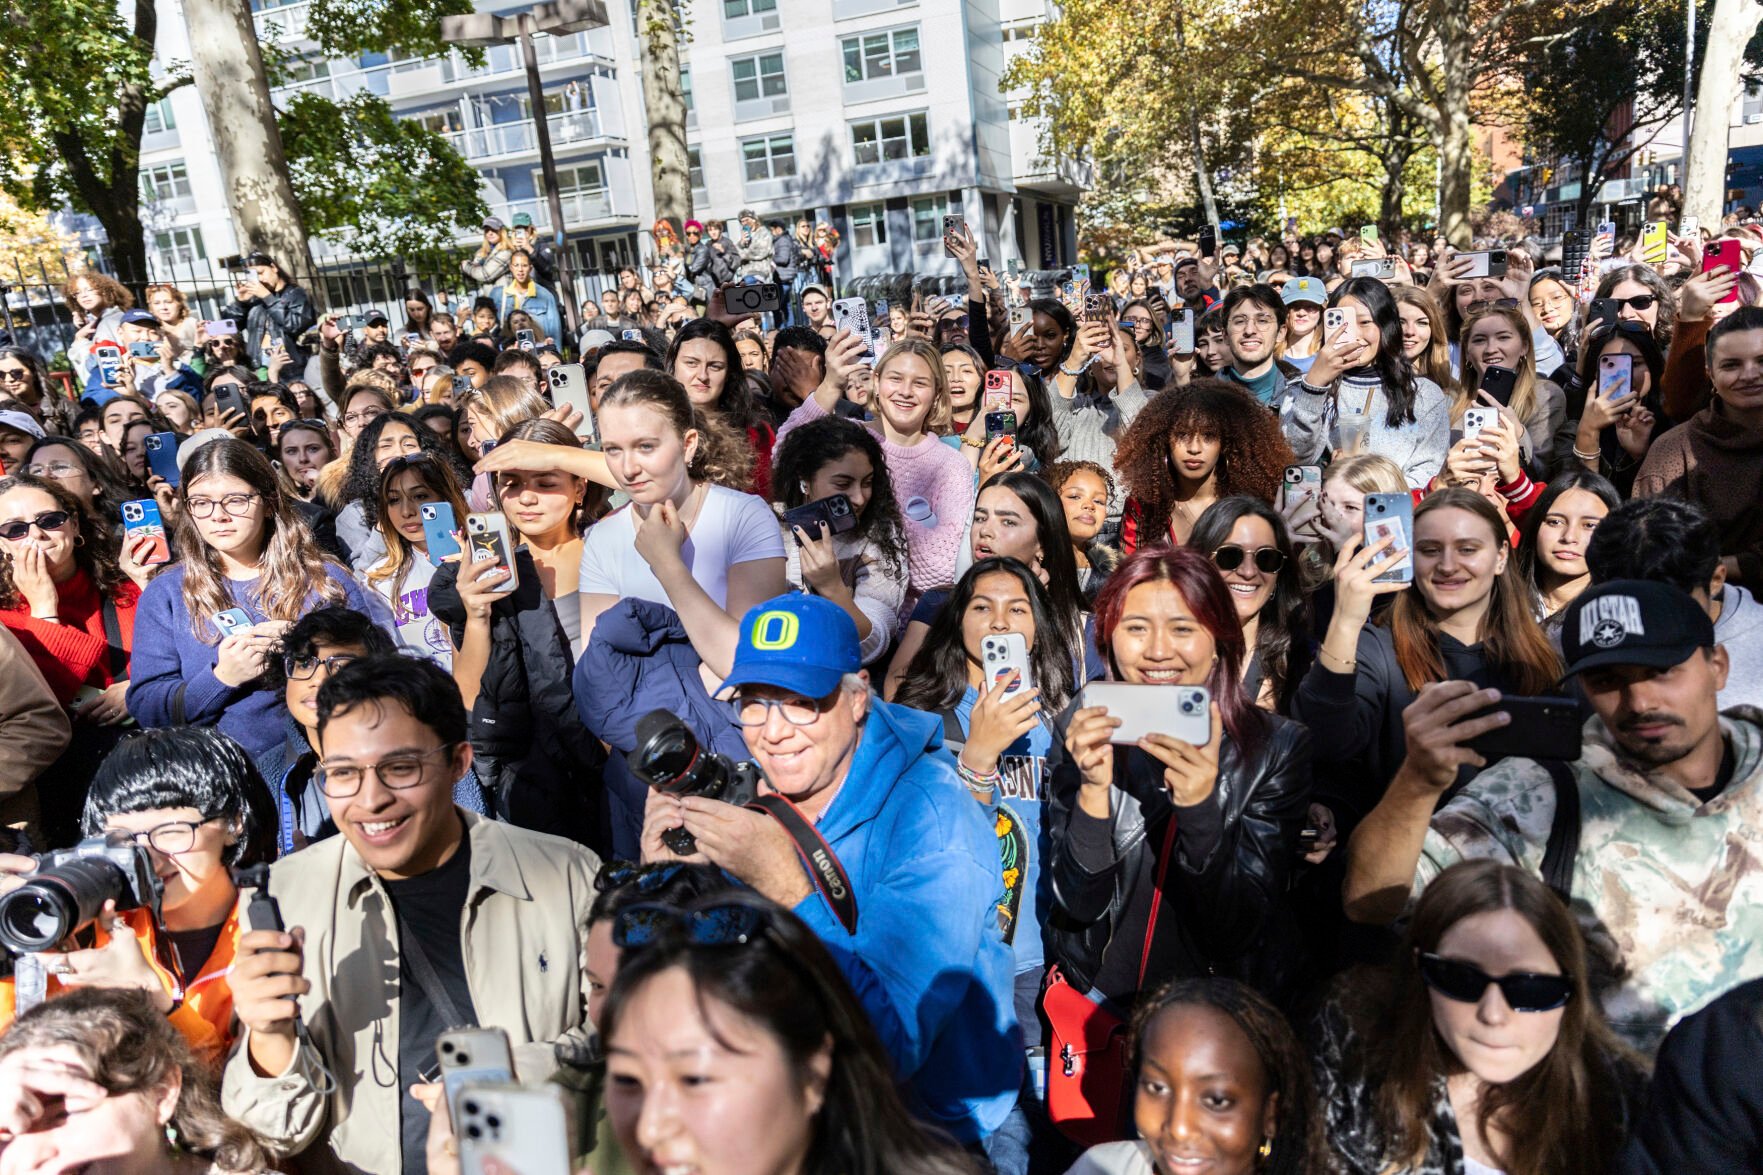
1419	448
1740	629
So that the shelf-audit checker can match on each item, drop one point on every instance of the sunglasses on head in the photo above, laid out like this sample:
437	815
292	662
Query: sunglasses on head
1493	304
46	521
1268	560
1524	991
711	924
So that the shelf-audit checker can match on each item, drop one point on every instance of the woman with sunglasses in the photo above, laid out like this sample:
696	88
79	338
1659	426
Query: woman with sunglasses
1248	543
1642	297
23	377
1482	1048
207	626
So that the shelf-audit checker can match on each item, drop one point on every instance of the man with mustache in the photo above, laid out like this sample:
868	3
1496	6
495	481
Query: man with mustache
1655	832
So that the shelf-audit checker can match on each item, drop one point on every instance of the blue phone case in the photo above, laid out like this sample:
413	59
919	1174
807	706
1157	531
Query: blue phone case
232	618
162	456
438	525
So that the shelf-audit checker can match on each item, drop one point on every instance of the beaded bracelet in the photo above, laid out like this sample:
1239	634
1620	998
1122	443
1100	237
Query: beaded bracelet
976	783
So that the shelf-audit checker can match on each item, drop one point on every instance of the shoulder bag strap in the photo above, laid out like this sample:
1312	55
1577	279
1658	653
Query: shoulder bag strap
823	864
119	657
422	969
1157	897
1563	846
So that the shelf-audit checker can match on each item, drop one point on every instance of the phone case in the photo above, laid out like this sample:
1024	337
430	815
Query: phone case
1181	332
1392	515
569	389
1541	728
489	537
227	398
1004	653
1476	420
1179	711
472	1056
1500	383
997	394
1368	232
1727	253
162	456
1096	307
231	619
832	512
141	519
1655	242
1615	377
525	1130
951	228
1333	319
524	339
109	368
1301	485
438	525
1001	424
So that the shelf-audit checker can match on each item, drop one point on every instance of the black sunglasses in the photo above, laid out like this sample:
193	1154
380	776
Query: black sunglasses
1638	302
1268	560
46	521
1496	304
1524	991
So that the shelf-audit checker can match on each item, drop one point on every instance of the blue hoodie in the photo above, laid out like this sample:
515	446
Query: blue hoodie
928	961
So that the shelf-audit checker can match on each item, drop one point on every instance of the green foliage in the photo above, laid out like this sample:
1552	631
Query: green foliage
380	185
403	28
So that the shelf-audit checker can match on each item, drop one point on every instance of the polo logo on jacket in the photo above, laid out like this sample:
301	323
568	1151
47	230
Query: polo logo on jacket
1609	620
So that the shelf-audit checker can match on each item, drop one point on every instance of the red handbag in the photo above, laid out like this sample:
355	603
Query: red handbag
1089	1074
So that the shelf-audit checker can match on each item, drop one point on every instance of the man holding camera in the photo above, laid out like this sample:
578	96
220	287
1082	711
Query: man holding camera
1665	795
927	956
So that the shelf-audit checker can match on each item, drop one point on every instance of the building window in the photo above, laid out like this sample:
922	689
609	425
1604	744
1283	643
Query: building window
179	246
306	67
759	77
770	157
685	88
168	181
904	136
440	121
736	9
574	179
159	118
869	225
927	218
882	55
695	168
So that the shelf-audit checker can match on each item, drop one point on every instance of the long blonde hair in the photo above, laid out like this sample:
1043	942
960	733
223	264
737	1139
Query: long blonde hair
292	570
503	402
1524	393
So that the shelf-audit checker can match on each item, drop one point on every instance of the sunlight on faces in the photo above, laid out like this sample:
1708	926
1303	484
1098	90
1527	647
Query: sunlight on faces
1492	1041
647	456
905	392
120	1134
702	366
1213	349
303	452
404	499
1566	531
804	761
1456	560
1362	327
1416	330
1476	289
610	368
402	832
118	414
539	503
238	535
1553	303
852	475
61	464
1085	499
999	604
1046	340
1159	640
1250	587
1494	342
1002	525
197	871
1252	330
395	440
1629	288
1194	457
26	503
965	379
752	352
1201	1100
133	449
1657	716
1737	370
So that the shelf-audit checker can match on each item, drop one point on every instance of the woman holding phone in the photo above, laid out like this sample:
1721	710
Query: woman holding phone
549	510
1616	427
401	577
1035	442
383	439
1500	337
1171	857
206	627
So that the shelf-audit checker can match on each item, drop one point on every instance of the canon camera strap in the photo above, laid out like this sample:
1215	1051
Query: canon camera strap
823	864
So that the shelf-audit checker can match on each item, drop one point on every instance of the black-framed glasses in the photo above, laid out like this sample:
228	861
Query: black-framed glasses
15	374
709	925
1642	302
1524	991
233	504
1268	560
394	771
302	668
172	837
754	712
1478	306
46	521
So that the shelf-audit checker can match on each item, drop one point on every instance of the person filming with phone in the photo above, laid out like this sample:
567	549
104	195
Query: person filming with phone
1639	828
275	312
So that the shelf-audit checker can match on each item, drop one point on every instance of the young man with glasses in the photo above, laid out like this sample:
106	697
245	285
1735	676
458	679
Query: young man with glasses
1254	325
927	957
419	917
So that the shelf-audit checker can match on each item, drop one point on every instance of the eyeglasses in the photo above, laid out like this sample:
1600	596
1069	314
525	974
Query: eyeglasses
718	925
753	712
55	472
1524	991
1268	560
172	837
395	771
46	521
1638	302
231	504
302	668
1136	320
360	418
1493	304
15	374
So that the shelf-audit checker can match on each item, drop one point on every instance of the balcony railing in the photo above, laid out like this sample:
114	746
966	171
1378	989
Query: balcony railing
519	138
580	209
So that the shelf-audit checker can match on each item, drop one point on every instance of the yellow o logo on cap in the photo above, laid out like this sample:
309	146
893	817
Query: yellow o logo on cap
775	630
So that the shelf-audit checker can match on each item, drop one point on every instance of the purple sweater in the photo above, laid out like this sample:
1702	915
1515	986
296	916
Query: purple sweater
930	470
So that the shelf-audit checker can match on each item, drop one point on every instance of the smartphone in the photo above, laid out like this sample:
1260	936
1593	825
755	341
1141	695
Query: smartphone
461	384
472	1056
1013	267
1655	242
1181	331
1541	728
881	312
1019	316
110	363
1368	232
1576	246
1605	310
630	334
1179	711
832	513
221	327
1001	424
228	398
1334	320
1381	268
438	525
522	1129
1500	383
1003	654
231	620
1491	263
1392	516
569	389
409	341
490	538
143	350
997	393
952	227
753	298
1208	241
1607	228
525	340
1479	420
1081	272
1727	252
140	519
1302	484
1689	226
162	456
1096	307
1615	377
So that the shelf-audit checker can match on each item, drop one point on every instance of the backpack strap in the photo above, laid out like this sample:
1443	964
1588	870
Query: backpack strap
954	737
1563	846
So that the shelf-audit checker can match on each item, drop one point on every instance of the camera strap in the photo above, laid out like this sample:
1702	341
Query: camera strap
823	864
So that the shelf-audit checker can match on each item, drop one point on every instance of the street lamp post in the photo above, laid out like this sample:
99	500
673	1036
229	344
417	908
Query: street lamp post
558	18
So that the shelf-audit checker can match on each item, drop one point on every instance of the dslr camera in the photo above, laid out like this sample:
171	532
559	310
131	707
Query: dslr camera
753	298
69	889
669	758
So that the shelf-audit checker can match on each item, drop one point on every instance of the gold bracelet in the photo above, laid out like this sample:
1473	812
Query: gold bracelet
1347	666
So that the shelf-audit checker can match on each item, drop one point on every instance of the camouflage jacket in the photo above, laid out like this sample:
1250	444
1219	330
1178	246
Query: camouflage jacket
1668	889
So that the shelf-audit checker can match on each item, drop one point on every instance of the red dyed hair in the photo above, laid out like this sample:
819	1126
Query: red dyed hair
1193	575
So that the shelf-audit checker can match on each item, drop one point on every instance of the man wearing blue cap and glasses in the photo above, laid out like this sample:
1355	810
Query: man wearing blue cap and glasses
927	957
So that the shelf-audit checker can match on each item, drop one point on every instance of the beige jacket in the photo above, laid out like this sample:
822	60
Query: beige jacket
34	729
525	929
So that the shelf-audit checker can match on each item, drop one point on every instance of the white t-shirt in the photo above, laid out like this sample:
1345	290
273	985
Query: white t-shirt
731	528
419	633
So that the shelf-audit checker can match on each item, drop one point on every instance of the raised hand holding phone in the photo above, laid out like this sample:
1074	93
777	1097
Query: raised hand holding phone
1189	772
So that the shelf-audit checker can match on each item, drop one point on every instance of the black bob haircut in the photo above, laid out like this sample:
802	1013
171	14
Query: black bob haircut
420	686
1661	539
336	625
187	767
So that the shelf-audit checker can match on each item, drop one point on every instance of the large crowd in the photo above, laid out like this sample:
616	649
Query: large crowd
1280	706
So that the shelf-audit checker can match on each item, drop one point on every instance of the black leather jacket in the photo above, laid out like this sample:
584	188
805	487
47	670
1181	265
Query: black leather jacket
1227	906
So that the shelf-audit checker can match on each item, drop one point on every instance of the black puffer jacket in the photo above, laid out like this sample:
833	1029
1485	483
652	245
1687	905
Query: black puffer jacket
1224	908
533	755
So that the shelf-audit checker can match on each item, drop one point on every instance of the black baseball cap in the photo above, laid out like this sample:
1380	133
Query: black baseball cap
376	318
1633	622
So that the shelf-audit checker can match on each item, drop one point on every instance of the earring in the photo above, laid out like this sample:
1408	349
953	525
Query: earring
79	540
1266	1148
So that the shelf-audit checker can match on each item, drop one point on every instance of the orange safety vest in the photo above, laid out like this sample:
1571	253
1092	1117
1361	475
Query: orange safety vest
204	1009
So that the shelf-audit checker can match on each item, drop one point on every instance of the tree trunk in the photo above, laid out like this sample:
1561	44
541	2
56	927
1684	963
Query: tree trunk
228	68
1704	188
1456	147
1202	177
665	104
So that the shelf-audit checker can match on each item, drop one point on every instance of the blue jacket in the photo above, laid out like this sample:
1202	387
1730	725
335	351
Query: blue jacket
541	304
928	961
172	670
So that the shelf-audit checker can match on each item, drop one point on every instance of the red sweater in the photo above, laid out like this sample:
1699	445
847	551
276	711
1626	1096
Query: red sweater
73	653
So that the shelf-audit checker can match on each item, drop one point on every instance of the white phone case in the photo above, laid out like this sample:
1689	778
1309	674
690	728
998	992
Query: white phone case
1179	711
1478	420
1001	654
472	1056
569	389
526	1130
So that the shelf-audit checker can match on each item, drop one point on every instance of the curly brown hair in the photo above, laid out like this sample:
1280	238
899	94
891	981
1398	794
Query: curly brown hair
1252	455
116	295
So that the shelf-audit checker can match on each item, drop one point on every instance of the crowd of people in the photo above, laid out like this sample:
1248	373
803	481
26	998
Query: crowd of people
1290	706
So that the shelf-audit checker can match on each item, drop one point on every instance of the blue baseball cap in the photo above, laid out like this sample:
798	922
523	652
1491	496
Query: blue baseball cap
796	642
1304	289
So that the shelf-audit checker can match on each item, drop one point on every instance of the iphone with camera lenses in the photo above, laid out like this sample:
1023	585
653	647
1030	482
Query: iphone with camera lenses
1615	377
1391	516
1299	492
832	514
1208	241
438	525
488	536
1004	655
162	456
1181	331
1500	383
1179	711
1725	252
1478	420
952	227
232	620
521	1129
568	383
997	394
1096	307
472	1056
1334	321
1655	242
141	520
1001	424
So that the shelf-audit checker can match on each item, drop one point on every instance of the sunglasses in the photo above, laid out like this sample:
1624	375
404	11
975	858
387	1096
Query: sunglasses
1524	991
1268	560
1493	304
46	521
714	925
15	374
1638	302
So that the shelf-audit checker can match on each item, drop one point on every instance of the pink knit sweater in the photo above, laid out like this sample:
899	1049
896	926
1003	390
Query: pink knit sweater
930	470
